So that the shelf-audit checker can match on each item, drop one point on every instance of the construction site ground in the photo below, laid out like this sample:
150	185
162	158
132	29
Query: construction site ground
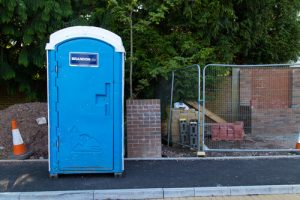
36	137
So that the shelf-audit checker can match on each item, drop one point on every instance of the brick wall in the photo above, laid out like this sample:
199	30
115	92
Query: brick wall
143	128
265	88
269	100
296	88
274	97
275	121
270	88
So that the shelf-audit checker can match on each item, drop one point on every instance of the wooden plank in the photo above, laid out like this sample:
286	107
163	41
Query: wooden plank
208	113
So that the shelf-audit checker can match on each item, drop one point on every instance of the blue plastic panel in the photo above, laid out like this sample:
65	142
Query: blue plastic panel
85	108
85	97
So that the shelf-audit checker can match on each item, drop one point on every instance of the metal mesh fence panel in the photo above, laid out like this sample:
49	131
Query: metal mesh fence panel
184	120
251	107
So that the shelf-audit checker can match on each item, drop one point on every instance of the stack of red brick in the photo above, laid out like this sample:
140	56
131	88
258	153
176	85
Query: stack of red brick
228	131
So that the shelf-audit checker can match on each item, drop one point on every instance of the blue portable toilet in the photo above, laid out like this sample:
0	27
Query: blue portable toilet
85	69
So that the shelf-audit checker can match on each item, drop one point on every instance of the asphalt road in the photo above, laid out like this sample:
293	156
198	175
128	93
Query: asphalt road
33	176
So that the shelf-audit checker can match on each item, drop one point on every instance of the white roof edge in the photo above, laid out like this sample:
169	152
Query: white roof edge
85	31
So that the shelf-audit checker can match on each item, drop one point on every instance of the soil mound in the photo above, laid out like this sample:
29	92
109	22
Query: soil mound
35	136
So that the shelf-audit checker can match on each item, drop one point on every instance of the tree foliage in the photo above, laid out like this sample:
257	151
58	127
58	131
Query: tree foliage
167	34
25	28
171	34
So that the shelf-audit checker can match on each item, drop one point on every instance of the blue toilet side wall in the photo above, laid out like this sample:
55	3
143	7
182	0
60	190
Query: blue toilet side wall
118	111
52	123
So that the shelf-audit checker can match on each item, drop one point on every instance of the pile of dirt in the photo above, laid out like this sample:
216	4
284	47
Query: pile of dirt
35	136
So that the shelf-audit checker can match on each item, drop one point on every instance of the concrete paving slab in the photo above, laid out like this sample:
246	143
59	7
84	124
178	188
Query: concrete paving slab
10	196
212	191
178	192
296	189
58	195
157	193
266	189
252	197
280	189
149	193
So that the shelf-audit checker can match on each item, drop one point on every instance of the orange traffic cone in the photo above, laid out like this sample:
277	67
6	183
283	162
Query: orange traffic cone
298	142
19	148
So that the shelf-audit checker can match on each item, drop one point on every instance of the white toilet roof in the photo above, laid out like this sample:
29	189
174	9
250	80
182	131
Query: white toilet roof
85	31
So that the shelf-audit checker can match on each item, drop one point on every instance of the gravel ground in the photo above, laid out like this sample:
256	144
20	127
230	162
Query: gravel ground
177	151
35	136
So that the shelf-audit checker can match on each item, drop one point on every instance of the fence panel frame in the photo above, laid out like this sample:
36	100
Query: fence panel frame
200	146
291	65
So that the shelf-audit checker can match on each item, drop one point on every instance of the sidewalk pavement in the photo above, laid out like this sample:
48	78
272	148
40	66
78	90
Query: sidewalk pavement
253	197
190	177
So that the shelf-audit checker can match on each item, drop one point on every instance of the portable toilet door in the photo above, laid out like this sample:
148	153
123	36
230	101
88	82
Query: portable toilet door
85	101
